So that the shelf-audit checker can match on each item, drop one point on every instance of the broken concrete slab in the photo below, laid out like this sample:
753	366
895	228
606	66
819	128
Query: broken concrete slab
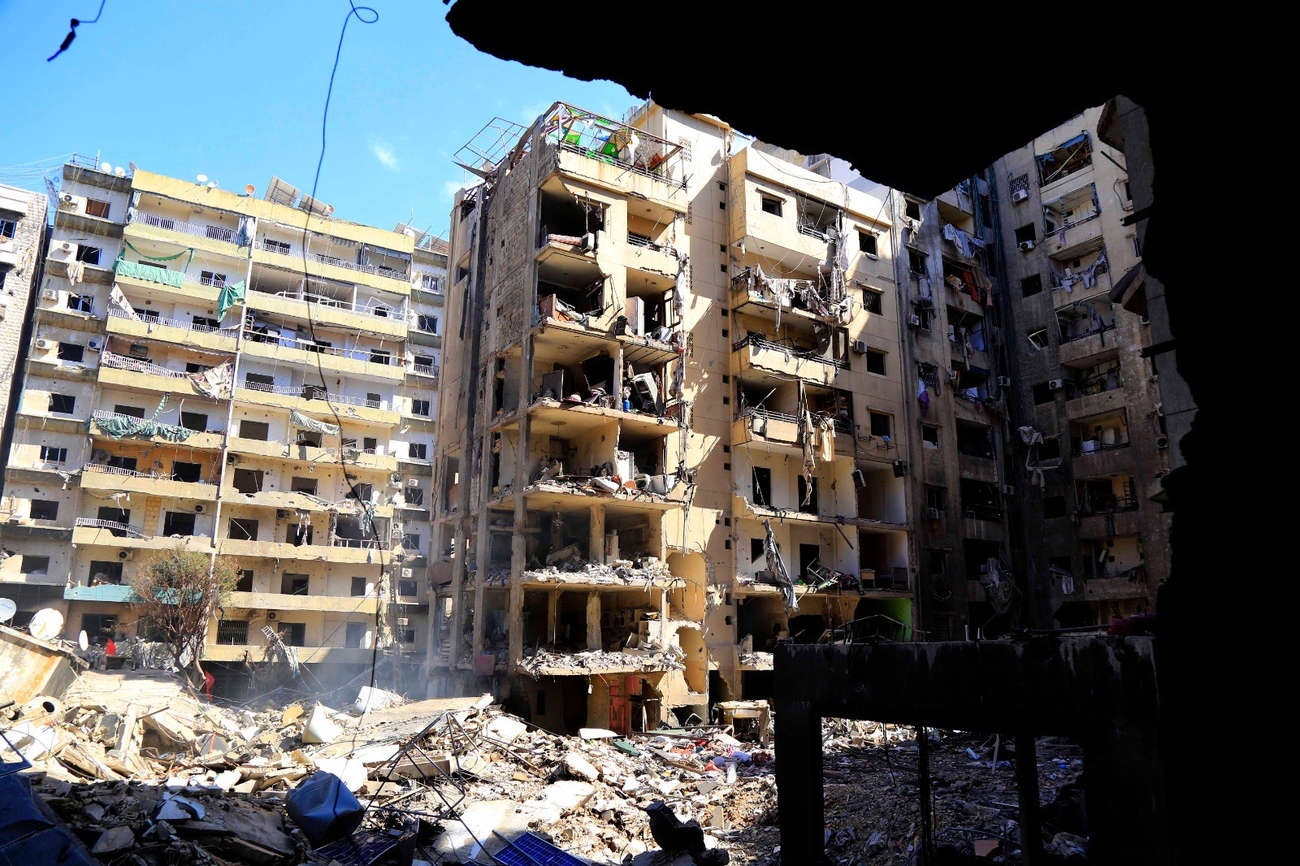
580	767
113	840
505	729
568	795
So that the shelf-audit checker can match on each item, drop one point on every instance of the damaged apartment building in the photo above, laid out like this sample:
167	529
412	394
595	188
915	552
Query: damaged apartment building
673	427
199	376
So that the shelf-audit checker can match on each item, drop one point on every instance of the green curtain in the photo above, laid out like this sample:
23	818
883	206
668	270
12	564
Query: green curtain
231	294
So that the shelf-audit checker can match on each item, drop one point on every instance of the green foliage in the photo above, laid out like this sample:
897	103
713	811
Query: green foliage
180	592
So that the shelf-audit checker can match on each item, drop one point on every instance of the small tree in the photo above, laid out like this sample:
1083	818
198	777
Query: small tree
179	592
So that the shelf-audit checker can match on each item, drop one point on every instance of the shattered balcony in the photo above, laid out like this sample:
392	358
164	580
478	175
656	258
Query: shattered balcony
1079	270
92	531
819	297
1071	220
779	431
129	326
812	357
1064	160
1087	329
102	477
612	155
773	221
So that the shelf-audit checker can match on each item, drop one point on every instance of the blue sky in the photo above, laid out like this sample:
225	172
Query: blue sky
235	90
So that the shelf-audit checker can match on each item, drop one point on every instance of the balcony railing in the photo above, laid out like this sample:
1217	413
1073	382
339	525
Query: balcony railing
216	233
279	249
371	308
426	370
984	512
374	356
310	392
841	425
116	313
365	543
761	342
1070	338
119	529
121	362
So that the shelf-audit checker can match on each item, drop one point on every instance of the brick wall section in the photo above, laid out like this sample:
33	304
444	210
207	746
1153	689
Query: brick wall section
15	296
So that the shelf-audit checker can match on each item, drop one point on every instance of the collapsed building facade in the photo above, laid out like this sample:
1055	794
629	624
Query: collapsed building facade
670	431
196	377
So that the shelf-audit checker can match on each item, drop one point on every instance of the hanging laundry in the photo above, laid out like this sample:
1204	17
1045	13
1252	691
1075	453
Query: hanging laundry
76	272
922	397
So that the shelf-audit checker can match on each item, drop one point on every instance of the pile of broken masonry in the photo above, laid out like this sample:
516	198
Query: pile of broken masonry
453	780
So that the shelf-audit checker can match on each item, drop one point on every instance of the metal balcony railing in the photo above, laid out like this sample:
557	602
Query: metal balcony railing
200	230
371	308
374	356
365	543
984	512
841	425
761	342
121	362
113	526
116	313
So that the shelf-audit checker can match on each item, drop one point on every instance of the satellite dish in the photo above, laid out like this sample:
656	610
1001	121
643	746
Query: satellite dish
46	624
248	188
7	609
105	166
212	184
83	641
203	178
131	165
119	172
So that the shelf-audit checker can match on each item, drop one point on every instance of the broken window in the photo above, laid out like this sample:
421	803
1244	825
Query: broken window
89	255
1065	159
113	514
770	204
974	440
916	261
190	473
875	362
258	430
358	587
1031	285
1037	338
81	303
53	455
259	381
414	496
872	300
1026	234
70	351
303	485
196	421
420	407
930	434
354	635
62	404
244	580
762	486
104	571
1085	318
242	529
936	561
44	510
8	228
97	208
1050	449
294	584
807	493
1076	207
913	209
881	424
817	218
979	500
406	588
249	480
178	523
935	498
211	278
418	451
1053	507
1043	393
293	633
923	313
867	243
1102	495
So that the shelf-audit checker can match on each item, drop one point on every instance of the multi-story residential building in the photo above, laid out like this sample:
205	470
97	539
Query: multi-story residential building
227	373
1095	544
23	231
671	425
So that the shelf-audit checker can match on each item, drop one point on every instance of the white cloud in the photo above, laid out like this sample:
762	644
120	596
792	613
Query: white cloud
384	153
450	187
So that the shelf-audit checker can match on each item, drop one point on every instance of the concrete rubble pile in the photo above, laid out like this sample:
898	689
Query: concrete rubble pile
623	571
459	780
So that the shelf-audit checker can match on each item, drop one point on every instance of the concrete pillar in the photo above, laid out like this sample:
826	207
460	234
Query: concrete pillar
799	784
1031	830
596	536
593	621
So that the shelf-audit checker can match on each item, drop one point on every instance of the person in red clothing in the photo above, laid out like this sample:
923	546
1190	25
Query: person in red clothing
111	649
208	680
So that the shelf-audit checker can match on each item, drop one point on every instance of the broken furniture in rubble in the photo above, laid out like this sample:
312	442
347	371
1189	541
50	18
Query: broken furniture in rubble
757	711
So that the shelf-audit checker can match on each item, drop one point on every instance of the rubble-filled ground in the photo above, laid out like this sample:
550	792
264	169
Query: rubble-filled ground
144	772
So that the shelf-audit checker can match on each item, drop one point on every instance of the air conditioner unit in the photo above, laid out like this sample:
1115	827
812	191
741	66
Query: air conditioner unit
232	459
860	346
408	572
270	614
198	509
588	243
126	555
49	295
1008	490
403	620
914	321
66	247
1004	381
93	345
412	482
1020	195
44	344
954	375
1055	384
931	514
74	203
1162	441
1026	246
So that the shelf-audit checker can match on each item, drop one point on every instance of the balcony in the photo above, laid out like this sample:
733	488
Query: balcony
428	372
284	255
615	156
289	499
643	254
93	531
314	399
754	290
756	352
352	456
97	476
166	284
1098	588
349	362
313	654
219	239
1126	520
207	441
106	592
372	318
780	432
343	550
124	324
134	373
284	601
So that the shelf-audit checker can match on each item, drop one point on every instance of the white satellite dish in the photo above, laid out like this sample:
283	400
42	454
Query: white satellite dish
203	178
212	184
7	609
132	165
47	624
106	166
83	641
119	172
